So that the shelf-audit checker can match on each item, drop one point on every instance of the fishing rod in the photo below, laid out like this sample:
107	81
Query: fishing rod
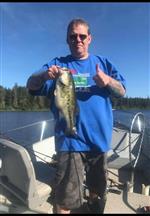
30	149
33	152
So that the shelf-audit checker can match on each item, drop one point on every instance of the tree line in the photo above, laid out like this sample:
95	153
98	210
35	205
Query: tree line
18	99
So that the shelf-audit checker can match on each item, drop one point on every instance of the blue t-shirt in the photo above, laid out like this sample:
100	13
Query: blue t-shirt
95	117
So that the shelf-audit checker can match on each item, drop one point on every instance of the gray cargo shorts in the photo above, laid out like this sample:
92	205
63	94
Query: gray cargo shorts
75	168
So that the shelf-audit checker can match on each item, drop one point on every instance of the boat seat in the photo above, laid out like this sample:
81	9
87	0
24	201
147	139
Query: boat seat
30	183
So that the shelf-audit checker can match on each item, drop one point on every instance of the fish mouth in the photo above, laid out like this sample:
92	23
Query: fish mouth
62	70
64	78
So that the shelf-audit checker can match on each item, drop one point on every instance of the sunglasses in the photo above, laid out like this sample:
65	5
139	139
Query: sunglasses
73	37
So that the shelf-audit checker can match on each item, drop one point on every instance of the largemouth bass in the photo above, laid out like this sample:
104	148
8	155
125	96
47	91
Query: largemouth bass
65	100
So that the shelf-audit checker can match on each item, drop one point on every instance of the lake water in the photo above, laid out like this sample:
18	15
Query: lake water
24	125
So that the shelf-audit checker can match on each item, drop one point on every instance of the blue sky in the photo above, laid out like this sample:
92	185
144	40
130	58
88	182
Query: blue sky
31	34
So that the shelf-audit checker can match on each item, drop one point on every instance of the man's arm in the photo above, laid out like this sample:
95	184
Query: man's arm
36	80
116	88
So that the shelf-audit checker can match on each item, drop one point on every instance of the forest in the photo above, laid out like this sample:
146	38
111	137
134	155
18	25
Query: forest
18	99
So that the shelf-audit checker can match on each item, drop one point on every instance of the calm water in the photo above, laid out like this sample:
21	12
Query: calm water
12	120
24	125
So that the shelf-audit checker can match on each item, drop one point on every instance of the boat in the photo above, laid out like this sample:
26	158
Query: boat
28	163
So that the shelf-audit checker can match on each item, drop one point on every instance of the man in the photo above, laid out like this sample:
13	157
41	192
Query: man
96	80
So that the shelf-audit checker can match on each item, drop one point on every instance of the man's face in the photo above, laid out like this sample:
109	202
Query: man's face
79	40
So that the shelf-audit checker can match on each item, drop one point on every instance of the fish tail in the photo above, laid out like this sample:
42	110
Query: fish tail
71	132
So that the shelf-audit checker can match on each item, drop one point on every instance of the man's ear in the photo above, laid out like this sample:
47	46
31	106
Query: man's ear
89	38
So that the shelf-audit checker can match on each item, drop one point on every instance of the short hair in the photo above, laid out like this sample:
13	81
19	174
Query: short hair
78	21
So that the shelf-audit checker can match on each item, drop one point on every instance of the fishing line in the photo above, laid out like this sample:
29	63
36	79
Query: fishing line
32	151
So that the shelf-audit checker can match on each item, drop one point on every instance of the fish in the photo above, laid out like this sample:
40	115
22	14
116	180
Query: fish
66	101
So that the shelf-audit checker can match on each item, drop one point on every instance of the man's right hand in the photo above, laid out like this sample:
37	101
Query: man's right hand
37	80
53	72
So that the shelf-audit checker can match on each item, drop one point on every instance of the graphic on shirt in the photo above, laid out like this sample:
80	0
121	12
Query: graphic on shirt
81	82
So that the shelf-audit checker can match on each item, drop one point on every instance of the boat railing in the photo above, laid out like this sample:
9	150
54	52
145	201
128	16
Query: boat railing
127	139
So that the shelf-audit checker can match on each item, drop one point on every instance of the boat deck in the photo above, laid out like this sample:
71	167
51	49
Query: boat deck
125	202
119	199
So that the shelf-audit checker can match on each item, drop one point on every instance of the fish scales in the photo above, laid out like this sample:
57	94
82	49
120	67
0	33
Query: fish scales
65	100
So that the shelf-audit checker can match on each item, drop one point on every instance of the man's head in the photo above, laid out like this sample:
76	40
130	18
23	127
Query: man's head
78	38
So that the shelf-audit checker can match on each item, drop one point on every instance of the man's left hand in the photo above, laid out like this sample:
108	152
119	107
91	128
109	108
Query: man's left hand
101	79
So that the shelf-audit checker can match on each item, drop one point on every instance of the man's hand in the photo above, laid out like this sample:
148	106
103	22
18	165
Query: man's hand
52	72
101	79
36	81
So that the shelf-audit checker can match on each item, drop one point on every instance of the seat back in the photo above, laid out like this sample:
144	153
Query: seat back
18	175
